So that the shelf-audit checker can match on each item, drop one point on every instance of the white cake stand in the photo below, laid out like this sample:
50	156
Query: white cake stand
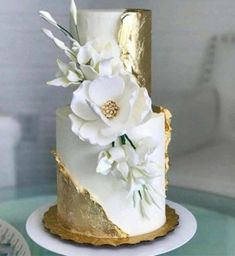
181	235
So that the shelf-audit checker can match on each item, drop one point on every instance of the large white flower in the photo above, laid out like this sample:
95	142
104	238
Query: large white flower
136	167
98	57
108	107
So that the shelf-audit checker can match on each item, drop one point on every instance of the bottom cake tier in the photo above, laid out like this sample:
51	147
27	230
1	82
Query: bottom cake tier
98	206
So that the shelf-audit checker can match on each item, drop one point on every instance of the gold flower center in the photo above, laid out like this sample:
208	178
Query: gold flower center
110	109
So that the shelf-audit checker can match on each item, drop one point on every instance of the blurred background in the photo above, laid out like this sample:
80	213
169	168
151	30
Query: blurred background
193	75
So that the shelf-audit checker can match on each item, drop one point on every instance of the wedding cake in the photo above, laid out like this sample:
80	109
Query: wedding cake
111	142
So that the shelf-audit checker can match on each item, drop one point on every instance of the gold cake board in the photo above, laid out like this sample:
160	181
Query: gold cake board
52	224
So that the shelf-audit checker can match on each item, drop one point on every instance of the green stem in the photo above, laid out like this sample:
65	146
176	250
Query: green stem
123	140
66	32
129	140
77	32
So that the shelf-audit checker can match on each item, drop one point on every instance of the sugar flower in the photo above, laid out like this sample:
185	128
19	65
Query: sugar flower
137	168
68	75
108	107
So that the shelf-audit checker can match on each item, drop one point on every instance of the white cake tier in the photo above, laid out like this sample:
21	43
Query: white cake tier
80	158
98	24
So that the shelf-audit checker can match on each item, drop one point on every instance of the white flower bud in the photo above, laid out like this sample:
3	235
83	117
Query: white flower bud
48	33
73	11
47	17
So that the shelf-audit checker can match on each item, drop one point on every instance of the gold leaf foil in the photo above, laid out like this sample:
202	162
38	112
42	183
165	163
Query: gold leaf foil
53	224
168	131
135	40
78	212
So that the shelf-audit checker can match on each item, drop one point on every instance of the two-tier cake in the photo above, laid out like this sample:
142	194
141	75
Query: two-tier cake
111	146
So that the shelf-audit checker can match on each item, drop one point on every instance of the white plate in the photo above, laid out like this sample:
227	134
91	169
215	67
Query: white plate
9	235
182	234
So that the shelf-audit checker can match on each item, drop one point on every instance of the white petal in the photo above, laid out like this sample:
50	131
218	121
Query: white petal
73	11
48	33
117	154
79	73
76	124
102	90
122	121
110	50
84	54
60	81
142	109
132	156
47	16
62	66
113	131
70	55
57	42
95	58
104	163
72	76
117	66
133	186
105	67
123	168
79	103
60	44
89	72
90	131
76	45
147	149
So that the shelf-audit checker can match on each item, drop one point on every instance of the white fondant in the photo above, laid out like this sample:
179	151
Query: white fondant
81	160
98	23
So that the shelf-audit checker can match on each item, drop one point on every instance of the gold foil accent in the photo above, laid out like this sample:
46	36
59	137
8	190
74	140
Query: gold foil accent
78	212
168	131
53	224
135	40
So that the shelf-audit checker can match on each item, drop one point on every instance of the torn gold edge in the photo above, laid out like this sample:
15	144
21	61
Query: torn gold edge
135	39
77	209
168	131
54	226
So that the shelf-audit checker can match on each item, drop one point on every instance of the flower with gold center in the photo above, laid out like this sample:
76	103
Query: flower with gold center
108	107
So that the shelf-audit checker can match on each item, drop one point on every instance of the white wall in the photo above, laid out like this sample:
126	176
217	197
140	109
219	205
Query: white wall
181	30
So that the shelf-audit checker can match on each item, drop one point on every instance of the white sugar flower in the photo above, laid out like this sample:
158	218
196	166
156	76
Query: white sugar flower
104	163
139	160
108	107
68	74
99	57
136	167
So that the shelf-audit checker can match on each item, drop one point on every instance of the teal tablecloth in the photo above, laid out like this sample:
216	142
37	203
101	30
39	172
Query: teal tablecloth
215	216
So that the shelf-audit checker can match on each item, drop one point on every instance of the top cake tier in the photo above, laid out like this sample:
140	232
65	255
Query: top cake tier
131	29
